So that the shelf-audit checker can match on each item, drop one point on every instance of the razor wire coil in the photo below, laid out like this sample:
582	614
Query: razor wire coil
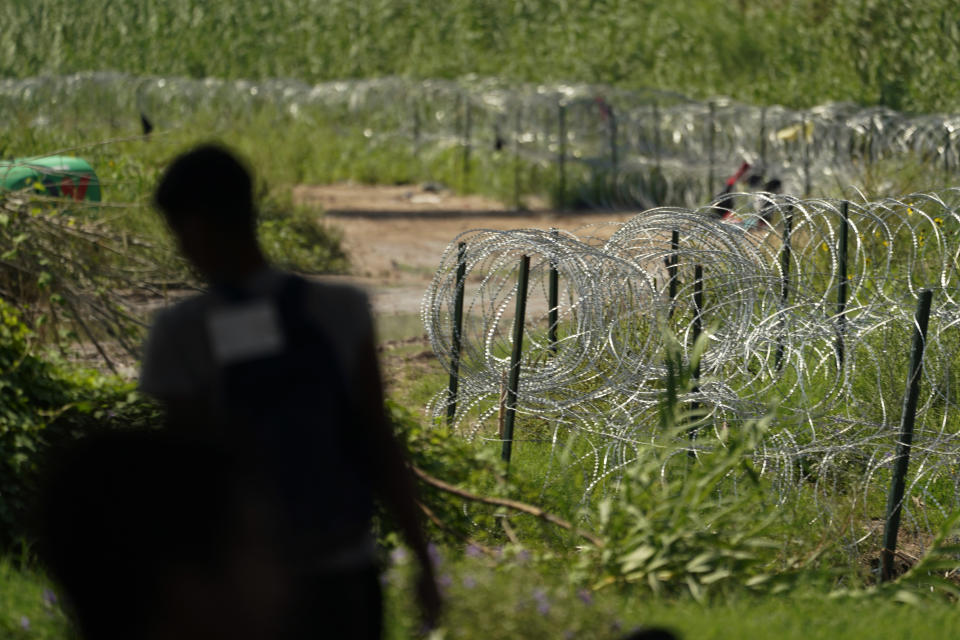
599	384
630	148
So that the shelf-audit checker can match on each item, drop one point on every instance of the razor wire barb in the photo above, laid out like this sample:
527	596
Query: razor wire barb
596	396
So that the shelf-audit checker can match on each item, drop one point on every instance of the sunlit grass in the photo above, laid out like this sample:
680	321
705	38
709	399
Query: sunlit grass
797	53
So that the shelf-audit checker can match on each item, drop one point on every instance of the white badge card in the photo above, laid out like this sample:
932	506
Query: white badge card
245	331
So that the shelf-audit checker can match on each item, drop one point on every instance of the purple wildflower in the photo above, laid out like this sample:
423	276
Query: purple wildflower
49	597
469	582
585	596
25	623
434	554
444	581
398	556
543	603
523	556
473	551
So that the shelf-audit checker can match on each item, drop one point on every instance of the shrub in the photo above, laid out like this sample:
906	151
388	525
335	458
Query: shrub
44	404
295	240
688	524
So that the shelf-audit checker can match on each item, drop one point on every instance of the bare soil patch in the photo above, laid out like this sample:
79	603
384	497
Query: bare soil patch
395	235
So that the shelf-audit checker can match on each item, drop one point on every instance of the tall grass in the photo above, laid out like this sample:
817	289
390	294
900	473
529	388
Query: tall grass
901	54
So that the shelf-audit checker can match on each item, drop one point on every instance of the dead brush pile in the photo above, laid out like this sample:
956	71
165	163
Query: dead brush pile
73	277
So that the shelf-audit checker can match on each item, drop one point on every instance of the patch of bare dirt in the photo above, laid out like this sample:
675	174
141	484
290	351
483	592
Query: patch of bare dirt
378	199
395	235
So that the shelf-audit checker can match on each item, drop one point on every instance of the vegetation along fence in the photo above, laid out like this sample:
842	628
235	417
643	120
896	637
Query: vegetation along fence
597	146
808	306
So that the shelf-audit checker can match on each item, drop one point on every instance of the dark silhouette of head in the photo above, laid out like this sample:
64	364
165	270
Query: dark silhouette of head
773	186
755	181
206	197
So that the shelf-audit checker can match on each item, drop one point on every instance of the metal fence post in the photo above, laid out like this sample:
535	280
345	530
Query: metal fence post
904	443
784	283
514	383
467	126
657	151
416	132
763	138
554	301
457	333
842	284
516	158
672	267
946	149
562	156
806	156
614	151
711	133
697	331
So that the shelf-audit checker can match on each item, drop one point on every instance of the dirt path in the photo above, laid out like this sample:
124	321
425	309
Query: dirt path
396	235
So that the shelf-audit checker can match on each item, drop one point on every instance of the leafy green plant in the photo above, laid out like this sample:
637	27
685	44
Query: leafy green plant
688	524
43	405
294	239
439	452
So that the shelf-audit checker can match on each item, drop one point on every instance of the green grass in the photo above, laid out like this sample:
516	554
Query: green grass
510	600
899	54
26	609
903	55
517	598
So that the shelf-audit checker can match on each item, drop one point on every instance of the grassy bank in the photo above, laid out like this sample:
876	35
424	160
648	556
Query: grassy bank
903	55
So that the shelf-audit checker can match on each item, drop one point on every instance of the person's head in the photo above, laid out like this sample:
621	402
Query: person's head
206	197
773	186
755	181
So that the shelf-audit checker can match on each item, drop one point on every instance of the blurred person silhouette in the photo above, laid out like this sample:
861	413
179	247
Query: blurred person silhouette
284	372
768	206
724	200
151	536
756	184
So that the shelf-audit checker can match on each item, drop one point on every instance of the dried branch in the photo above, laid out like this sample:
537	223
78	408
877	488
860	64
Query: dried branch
523	507
440	525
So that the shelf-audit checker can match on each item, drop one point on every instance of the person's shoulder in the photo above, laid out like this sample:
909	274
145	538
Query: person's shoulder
188	310
343	294
343	309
